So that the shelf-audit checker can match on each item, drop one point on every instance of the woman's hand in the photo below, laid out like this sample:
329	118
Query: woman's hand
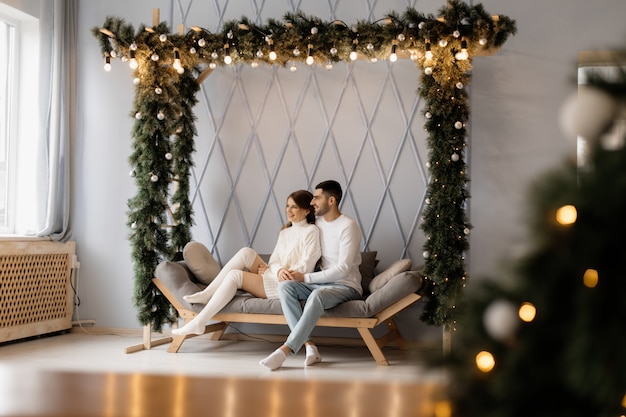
261	269
284	275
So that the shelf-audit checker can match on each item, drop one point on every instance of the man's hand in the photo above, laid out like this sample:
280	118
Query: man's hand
296	276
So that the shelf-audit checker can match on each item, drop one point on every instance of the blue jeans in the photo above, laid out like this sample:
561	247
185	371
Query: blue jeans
319	297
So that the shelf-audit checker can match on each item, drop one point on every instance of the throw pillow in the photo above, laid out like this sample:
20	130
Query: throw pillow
367	268
200	262
394	269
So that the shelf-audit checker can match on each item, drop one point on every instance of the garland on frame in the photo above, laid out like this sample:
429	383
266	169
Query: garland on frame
168	68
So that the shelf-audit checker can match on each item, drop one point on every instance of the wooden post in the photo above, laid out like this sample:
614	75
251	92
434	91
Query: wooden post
156	16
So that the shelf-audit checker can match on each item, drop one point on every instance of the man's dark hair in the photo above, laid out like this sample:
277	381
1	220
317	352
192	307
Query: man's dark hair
331	188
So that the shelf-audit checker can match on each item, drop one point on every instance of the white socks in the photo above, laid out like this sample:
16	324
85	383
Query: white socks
312	355
223	295
274	360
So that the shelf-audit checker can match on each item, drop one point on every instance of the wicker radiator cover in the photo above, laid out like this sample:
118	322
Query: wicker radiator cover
35	292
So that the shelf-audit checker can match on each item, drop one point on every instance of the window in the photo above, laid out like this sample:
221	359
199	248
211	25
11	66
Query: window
19	121
8	47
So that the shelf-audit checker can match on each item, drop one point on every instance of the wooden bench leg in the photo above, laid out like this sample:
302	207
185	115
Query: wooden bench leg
216	328
148	343
373	346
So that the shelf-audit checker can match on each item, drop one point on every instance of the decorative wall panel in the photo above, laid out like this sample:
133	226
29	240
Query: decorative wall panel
265	132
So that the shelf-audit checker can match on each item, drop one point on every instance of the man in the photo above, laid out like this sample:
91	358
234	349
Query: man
338	280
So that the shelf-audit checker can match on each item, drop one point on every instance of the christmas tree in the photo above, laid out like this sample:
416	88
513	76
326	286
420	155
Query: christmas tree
552	341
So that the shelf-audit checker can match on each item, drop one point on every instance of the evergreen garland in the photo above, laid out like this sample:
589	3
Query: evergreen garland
165	124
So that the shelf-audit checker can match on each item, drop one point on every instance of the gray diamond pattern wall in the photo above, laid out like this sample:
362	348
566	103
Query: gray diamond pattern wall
265	132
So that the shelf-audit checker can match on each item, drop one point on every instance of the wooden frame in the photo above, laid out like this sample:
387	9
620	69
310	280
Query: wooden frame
363	325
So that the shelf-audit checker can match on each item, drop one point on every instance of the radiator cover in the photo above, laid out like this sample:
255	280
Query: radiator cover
36	294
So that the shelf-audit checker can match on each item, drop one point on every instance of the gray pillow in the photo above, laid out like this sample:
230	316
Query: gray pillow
367	269
200	262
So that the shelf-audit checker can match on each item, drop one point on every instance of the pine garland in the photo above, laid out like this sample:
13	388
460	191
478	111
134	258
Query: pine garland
165	124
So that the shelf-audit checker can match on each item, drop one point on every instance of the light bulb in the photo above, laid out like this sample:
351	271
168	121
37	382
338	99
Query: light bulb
227	58
133	64
177	65
353	54
273	55
428	54
107	63
393	57
309	57
463	55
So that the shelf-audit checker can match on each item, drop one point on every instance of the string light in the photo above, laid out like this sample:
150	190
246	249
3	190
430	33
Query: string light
462	55
227	58
393	57
309	55
132	63
428	54
353	53
273	55
177	65
107	62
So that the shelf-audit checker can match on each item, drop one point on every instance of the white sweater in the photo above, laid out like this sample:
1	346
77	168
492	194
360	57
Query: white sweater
341	256
297	248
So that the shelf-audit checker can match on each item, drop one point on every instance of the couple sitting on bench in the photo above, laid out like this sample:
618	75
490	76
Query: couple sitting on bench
289	274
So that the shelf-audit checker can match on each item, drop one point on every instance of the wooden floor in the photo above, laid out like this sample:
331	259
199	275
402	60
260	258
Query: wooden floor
80	374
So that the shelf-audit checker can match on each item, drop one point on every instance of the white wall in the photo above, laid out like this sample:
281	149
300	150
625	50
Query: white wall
515	99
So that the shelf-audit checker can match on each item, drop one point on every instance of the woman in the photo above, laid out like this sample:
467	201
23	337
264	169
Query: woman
297	249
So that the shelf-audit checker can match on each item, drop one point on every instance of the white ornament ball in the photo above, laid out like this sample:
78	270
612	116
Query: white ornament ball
158	90
426	254
201	42
459	85
162	37
138	115
428	70
401	37
214	55
588	113
501	319
482	41
133	225
313	31
192	50
458	125
333	51
133	46
443	43
456	33
155	57
428	115
427	201
136	81
421	25
212	65
454	157
160	115
168	156
466	231
132	173
154	178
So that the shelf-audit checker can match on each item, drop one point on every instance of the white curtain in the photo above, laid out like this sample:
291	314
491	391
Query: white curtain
58	28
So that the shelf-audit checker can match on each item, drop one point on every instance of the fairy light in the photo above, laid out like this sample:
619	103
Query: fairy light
462	55
353	53
590	278
132	63
107	62
566	215
177	65
393	57
485	361
227	58
309	55
273	55
527	312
